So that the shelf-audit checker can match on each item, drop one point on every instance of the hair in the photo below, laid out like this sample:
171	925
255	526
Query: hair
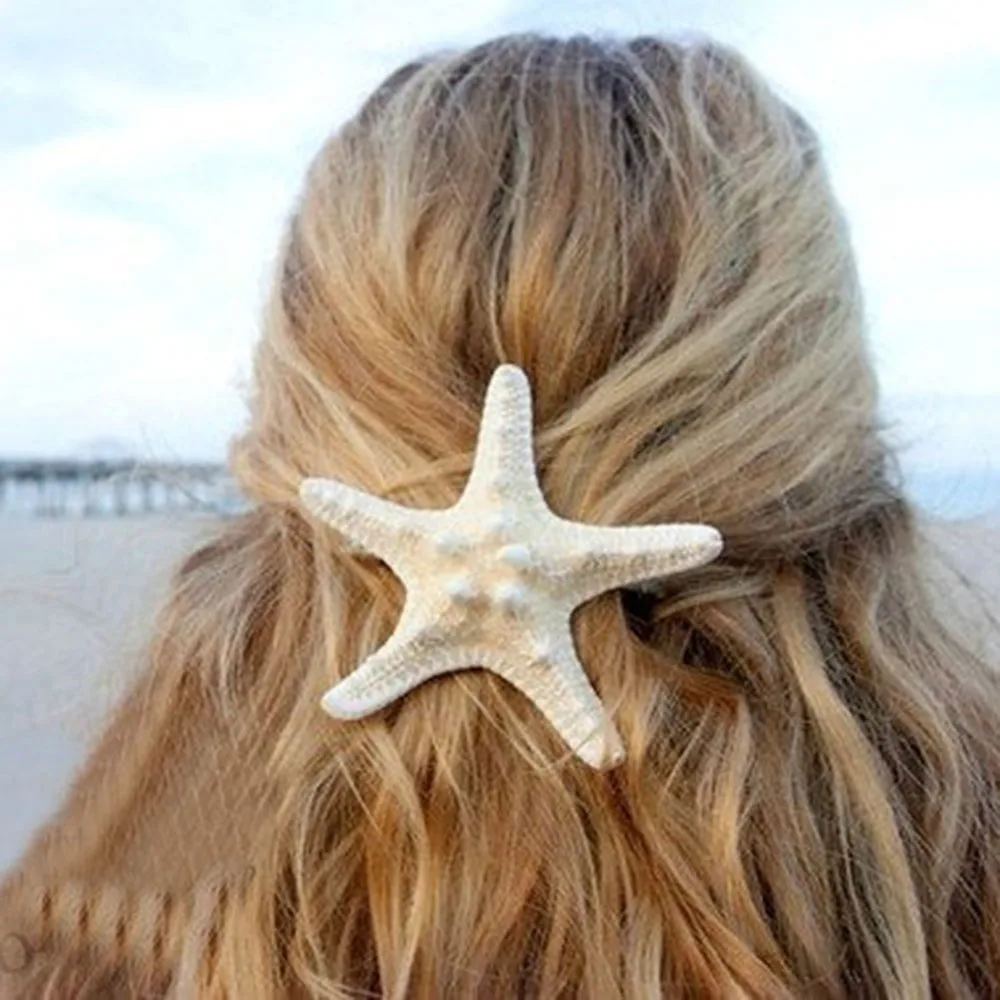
809	804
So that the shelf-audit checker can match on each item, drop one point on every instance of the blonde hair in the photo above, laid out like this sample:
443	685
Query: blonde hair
809	807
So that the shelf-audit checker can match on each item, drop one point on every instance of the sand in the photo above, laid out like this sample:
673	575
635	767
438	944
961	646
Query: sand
76	601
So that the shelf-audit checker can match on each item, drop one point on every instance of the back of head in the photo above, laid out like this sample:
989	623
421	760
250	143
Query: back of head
809	804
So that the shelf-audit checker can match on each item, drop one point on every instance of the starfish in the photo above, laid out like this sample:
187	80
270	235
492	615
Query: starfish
493	581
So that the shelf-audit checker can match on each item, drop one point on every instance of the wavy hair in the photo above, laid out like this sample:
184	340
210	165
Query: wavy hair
810	803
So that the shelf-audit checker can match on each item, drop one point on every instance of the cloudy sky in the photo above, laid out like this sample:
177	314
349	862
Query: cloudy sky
150	149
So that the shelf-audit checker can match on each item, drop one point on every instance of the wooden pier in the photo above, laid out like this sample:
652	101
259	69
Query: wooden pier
119	488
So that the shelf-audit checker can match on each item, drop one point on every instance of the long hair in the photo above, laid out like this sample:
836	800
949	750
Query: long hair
809	805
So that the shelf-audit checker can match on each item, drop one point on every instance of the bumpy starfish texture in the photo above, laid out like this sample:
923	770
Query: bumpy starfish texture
493	581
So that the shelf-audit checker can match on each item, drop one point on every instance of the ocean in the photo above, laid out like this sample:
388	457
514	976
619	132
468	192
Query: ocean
954	495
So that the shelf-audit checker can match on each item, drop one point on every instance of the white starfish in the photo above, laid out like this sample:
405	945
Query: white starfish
493	580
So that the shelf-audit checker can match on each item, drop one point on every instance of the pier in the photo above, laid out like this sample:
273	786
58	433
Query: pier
114	488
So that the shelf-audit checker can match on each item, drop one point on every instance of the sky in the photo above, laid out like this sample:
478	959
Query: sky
150	151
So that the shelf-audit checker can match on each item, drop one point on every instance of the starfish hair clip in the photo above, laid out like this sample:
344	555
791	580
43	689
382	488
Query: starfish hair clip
492	582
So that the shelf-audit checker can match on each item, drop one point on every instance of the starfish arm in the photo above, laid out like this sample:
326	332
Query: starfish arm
557	684
370	523
597	558
416	651
504	457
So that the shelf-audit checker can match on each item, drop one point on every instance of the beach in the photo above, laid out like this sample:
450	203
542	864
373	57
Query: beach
77	597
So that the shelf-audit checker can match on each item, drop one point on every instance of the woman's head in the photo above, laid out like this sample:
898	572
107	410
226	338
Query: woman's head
808	805
645	228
